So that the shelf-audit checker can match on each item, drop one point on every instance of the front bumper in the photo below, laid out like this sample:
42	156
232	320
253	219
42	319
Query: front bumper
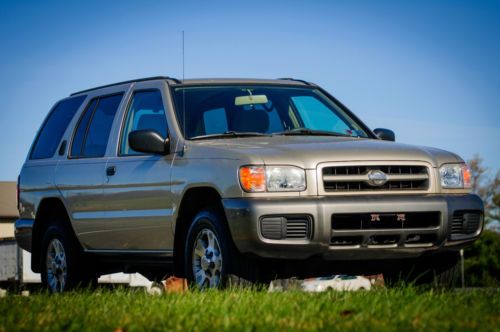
244	217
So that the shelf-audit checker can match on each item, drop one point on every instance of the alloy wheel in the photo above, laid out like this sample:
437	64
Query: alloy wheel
57	268
207	260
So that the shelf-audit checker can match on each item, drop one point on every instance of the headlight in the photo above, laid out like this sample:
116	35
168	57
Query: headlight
455	176
272	178
287	178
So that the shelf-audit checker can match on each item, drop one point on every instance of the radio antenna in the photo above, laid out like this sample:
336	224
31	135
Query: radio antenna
183	92
183	55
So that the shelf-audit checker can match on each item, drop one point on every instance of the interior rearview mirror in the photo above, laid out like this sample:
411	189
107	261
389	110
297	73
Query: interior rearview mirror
250	100
385	134
149	141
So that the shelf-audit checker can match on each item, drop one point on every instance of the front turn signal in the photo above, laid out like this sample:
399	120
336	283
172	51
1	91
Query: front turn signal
253	178
467	176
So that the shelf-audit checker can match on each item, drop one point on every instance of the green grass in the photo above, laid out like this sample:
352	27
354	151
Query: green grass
399	309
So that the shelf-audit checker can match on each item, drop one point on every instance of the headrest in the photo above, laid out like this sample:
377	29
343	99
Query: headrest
251	121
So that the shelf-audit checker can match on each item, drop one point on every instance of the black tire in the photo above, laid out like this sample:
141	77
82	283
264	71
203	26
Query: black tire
78	273
441	271
212	270
446	271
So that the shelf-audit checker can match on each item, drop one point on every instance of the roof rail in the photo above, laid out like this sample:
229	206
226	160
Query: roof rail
294	79
130	81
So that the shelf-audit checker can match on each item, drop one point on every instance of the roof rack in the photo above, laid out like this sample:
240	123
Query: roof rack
130	81
294	79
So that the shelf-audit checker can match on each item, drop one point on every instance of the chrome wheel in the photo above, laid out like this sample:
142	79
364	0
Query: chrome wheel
57	269
207	260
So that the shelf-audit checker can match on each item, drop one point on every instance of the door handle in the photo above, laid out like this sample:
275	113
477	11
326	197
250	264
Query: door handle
110	171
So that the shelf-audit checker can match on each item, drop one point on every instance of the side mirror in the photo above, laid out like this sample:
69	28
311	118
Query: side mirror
149	141
385	134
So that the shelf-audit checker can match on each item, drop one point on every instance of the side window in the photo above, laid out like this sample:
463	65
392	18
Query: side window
215	121
91	136
145	112
79	137
52	130
317	115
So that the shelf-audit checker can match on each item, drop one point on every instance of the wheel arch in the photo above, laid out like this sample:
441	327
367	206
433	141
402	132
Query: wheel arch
49	210
194	200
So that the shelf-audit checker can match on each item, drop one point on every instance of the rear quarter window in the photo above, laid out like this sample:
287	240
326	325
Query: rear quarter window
54	127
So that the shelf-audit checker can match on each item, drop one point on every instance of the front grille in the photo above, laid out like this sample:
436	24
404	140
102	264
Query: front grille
419	239
465	222
385	230
383	240
346	241
356	178
392	240
403	220
290	227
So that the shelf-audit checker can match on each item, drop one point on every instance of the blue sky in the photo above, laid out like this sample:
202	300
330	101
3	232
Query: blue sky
429	70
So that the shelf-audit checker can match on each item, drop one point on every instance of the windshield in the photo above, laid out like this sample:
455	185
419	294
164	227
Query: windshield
225	111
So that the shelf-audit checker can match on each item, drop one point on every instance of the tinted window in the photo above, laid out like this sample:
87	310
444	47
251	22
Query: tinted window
262	118
54	127
79	138
259	109
317	115
215	121
145	112
96	132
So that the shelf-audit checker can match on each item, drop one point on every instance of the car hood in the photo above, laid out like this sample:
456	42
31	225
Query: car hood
309	151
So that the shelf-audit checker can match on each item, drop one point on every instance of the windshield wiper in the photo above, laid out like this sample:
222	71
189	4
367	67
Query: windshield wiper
229	134
310	132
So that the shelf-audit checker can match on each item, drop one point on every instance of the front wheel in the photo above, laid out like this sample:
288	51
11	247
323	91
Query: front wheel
446	271
207	254
441	271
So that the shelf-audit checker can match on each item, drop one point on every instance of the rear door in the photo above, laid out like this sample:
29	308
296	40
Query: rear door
137	185
80	177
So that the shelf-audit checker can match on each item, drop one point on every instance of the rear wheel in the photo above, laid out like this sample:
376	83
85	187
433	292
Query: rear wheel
207	252
63	265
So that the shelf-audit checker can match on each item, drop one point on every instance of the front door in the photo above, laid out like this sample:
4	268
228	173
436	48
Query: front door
137	185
